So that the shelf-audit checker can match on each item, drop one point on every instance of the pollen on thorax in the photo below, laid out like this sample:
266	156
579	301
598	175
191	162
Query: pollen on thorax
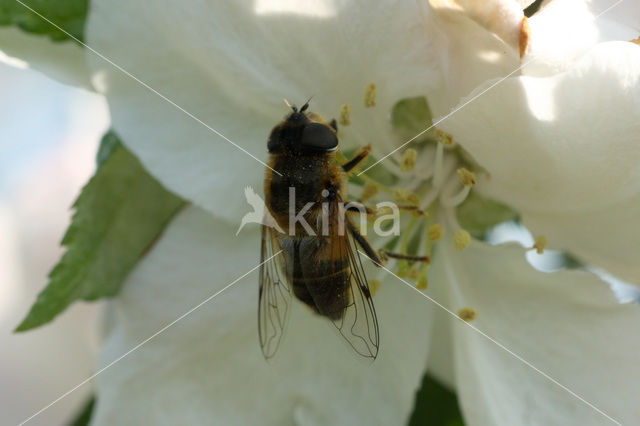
540	244
461	239
467	314
370	94
345	114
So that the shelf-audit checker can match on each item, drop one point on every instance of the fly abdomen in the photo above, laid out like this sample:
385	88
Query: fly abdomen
325	284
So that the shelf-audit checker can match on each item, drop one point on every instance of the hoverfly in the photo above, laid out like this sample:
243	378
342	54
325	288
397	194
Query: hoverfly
322	270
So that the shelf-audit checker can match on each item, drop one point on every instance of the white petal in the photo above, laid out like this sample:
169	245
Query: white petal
467	53
208	367
565	145
524	3
504	18
567	324
231	63
608	238
566	29
618	17
65	62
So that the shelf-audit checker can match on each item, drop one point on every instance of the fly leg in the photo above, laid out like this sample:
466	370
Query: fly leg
381	256
364	244
385	255
355	206
357	159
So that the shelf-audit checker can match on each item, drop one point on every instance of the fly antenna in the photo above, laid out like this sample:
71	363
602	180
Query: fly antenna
293	107
306	105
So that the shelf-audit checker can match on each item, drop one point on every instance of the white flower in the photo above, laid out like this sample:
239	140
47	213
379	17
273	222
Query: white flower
229	65
562	145
208	368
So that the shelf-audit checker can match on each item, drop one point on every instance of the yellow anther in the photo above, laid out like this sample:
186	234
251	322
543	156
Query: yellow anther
369	191
466	177
370	93
467	314
374	286
435	232
419	213
345	114
540	244
384	210
444	137
422	283
413	199
524	36
403	269
401	194
636	41
408	161
461	239
414	273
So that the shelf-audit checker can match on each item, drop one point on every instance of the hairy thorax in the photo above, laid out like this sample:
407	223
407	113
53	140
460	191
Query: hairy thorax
306	183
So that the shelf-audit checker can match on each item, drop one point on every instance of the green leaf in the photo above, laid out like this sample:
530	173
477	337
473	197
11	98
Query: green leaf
83	417
435	405
411	116
67	14
108	144
477	214
119	214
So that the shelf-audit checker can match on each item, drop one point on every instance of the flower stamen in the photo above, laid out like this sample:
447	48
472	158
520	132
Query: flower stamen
408	161
467	178
345	114
422	281
403	195
467	314
461	239
437	167
540	244
369	191
457	199
444	137
414	272
370	94
435	232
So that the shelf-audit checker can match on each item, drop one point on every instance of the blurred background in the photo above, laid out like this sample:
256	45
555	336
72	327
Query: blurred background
49	135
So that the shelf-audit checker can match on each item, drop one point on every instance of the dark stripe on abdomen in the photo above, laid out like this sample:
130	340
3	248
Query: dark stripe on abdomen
326	284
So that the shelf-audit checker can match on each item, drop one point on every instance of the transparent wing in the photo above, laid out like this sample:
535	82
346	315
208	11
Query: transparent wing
358	324
274	296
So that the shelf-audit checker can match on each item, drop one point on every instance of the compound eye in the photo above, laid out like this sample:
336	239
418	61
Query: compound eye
275	144
319	137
